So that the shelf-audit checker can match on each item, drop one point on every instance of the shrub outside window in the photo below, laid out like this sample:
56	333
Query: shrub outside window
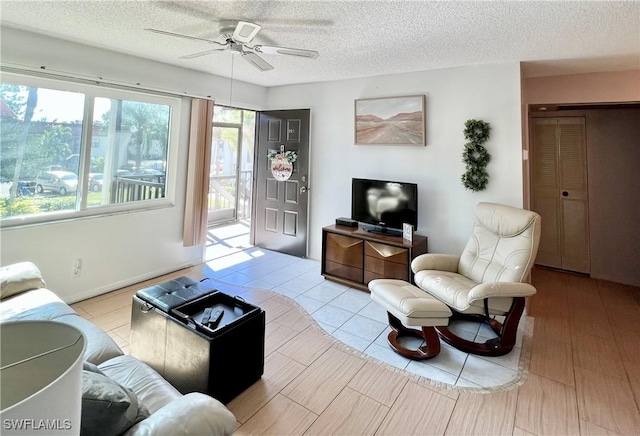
70	150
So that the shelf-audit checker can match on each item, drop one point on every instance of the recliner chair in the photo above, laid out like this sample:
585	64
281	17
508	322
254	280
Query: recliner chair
487	279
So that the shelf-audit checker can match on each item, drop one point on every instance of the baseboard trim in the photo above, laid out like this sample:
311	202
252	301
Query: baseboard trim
76	297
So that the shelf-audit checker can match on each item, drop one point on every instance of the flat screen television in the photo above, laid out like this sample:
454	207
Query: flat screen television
382	206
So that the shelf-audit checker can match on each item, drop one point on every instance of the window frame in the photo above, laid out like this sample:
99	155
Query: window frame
91	92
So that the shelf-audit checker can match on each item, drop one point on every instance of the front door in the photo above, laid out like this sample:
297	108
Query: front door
280	217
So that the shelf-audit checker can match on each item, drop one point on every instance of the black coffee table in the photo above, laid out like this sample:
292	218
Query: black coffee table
220	359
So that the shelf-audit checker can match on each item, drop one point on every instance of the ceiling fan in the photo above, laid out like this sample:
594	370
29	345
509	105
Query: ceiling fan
238	41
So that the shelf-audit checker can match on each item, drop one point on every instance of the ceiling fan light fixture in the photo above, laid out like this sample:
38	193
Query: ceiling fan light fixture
245	31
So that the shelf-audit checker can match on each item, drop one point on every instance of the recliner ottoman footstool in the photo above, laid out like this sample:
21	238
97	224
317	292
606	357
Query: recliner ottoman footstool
408	305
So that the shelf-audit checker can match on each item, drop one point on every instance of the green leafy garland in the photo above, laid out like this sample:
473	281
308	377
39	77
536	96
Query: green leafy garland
289	156
475	156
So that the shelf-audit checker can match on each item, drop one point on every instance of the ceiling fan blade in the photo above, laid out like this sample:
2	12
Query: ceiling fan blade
245	31
257	61
286	51
202	53
179	35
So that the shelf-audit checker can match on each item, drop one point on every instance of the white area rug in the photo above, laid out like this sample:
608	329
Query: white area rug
451	369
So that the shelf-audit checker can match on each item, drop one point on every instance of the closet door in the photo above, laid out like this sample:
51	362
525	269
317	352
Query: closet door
559	192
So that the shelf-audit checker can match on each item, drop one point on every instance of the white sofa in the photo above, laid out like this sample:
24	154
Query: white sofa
24	297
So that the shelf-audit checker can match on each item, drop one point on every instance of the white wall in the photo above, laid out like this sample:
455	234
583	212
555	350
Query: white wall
490	93
116	250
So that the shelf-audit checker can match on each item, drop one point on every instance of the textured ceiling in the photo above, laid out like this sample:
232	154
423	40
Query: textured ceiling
355	38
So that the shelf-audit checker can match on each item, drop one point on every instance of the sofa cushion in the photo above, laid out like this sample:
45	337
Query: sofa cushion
88	366
42	304
177	418
38	304
152	390
19	277
107	407
100	346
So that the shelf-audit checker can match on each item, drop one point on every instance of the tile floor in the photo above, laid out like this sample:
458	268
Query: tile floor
350	316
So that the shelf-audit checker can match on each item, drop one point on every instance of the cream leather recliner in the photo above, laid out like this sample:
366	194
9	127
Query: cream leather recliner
487	279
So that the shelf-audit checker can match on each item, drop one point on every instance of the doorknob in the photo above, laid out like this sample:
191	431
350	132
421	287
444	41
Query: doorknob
303	189
565	194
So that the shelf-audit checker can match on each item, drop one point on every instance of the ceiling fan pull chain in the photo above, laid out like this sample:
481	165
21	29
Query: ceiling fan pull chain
231	86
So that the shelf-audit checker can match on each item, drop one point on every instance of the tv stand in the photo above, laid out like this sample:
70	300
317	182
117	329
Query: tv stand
354	256
382	230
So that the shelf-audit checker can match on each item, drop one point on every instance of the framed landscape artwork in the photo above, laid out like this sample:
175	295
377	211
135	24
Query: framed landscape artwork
390	121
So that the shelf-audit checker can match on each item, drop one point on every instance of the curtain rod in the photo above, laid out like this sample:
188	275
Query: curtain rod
89	80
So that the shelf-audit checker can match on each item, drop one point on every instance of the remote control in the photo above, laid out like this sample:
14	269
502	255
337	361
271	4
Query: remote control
216	316
206	316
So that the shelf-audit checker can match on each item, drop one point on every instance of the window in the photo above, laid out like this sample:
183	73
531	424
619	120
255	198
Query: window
70	150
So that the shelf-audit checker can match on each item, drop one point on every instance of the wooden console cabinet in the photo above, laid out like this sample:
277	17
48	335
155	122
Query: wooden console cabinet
354	257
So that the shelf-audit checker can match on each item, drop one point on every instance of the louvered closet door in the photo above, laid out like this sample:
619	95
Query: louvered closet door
545	183
559	192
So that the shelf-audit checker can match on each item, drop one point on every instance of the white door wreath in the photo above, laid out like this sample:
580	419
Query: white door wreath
282	163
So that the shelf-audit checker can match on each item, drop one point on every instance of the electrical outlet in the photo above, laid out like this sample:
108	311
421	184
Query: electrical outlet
77	268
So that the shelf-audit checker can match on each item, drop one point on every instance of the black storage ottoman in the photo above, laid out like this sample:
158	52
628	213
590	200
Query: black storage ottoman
220	360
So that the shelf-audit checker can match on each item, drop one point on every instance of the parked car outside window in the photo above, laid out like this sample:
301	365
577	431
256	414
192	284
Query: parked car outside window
62	182
150	175
123	173
95	181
